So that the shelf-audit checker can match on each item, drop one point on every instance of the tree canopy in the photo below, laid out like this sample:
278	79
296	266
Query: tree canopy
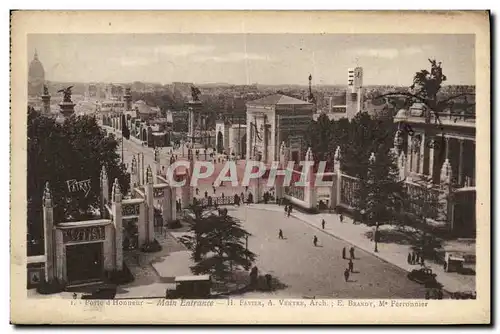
217	243
59	152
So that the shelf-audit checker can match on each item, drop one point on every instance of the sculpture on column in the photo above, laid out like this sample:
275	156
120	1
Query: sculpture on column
446	173
157	154
398	140
116	192
149	175
47	196
336	158
66	94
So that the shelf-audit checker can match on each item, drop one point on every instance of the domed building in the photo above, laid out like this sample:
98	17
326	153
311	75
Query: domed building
36	77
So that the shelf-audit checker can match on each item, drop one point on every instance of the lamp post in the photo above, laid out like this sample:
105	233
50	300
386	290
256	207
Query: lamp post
372	160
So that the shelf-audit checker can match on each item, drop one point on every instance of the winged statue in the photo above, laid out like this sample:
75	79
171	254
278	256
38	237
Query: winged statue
195	92
67	93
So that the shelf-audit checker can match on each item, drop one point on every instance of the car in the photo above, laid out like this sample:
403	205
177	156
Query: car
422	276
464	295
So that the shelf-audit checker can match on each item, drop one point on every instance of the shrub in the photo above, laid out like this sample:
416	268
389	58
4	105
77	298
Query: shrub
151	247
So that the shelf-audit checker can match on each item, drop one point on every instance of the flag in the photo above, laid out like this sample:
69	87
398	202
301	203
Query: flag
125	130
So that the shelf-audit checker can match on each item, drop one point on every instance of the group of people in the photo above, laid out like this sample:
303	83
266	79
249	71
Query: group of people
350	266
288	210
416	258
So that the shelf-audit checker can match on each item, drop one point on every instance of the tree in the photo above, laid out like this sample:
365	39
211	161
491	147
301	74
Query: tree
426	88
74	150
217	243
420	203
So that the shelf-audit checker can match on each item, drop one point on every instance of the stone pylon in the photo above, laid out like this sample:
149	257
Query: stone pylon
310	189
104	191
116	208
48	228
133	174
149	192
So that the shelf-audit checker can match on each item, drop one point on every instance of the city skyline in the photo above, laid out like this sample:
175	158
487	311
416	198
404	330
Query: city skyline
271	59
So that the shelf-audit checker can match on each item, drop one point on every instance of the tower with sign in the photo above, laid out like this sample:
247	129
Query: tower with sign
354	93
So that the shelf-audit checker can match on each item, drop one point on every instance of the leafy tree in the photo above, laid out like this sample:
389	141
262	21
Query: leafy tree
426	88
58	152
217	243
383	189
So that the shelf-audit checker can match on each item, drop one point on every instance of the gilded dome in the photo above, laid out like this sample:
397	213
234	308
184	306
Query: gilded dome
36	71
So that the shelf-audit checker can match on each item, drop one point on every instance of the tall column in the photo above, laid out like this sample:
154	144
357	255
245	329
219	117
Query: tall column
116	208
104	192
249	139
402	166
431	159
139	170
48	229
445	204
167	206
156	168
409	160
421	157
148	190
460	163
173	202
447	147
309	189
335	193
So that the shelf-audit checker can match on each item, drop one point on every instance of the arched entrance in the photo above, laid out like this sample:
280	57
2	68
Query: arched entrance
243	146
220	142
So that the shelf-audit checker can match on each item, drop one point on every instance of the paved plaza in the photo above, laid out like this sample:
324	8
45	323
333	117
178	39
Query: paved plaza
304	269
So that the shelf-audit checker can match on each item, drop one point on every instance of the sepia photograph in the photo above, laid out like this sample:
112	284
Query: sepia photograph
298	170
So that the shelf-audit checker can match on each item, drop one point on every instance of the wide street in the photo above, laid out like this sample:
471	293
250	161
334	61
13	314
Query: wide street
318	271
305	270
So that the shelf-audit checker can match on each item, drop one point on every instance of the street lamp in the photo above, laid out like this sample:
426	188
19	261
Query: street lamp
372	160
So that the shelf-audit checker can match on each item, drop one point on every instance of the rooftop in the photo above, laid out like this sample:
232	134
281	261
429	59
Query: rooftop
277	99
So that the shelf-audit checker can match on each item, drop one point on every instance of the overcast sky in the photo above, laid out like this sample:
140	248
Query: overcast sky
252	58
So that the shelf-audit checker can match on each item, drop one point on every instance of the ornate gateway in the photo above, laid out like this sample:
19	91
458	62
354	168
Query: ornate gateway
83	234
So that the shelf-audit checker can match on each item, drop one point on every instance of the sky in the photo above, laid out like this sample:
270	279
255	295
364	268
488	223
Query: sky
390	59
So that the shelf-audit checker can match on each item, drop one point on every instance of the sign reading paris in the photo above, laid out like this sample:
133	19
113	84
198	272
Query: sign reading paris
75	186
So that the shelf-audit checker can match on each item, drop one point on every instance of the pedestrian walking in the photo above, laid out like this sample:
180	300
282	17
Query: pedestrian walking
422	261
242	196
206	194
346	274
412	257
409	258
417	258
341	218
343	253
197	190
286	210
280	234
351	252
323	224
222	195
213	187
351	266
315	241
